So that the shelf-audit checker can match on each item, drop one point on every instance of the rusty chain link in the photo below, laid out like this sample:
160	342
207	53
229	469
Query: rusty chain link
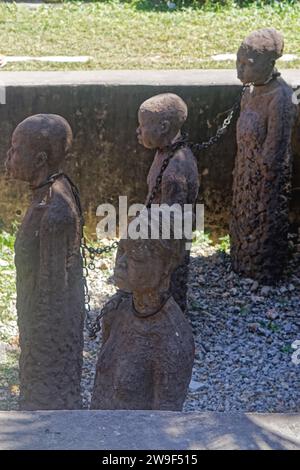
171	151
221	130
92	326
184	142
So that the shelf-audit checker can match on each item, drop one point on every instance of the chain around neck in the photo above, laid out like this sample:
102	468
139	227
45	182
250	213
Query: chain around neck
275	74
49	180
140	315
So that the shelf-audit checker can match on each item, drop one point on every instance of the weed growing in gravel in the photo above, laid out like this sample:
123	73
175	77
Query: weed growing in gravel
224	244
200	238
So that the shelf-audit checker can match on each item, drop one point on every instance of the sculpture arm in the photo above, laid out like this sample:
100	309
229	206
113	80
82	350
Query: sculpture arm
55	234
279	127
276	168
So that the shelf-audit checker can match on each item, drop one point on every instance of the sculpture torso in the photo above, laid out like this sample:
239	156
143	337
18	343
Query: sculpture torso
144	363
27	246
180	182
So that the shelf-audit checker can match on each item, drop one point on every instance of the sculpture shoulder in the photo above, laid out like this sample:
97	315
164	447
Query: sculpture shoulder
62	207
115	311
60	214
282	93
172	314
284	87
281	104
117	303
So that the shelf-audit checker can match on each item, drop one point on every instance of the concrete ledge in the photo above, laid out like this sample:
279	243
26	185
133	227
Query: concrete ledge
144	430
213	77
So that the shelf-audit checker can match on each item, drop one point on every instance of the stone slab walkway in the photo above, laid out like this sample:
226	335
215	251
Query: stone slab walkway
134	430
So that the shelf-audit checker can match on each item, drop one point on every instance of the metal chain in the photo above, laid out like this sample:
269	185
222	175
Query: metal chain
87	299
221	130
196	147
93	252
83	246
172	149
92	326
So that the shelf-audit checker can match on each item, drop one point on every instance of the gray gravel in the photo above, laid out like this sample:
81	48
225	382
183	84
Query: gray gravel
243	334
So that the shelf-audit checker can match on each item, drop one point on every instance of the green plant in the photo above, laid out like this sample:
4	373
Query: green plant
245	309
273	326
9	381
201	237
287	349
7	278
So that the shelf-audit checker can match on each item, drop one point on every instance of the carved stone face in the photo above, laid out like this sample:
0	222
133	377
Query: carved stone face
23	160
138	268
253	67
160	119
152	132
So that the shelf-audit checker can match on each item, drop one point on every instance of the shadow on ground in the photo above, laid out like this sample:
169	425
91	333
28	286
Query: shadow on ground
119	430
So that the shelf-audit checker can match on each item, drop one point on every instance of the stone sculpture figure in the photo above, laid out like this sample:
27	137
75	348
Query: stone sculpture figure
147	351
262	173
160	121
50	298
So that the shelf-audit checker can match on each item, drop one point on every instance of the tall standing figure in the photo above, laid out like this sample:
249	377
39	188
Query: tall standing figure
50	298
262	173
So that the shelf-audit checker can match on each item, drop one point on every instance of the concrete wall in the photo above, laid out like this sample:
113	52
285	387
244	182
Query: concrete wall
106	160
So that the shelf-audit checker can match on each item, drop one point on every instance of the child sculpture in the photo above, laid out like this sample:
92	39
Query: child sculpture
147	353
160	121
50	298
262	173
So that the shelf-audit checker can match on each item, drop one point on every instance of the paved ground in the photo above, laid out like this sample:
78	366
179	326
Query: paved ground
132	430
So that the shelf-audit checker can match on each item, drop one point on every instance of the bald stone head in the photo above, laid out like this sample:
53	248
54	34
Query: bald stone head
257	55
160	120
39	146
